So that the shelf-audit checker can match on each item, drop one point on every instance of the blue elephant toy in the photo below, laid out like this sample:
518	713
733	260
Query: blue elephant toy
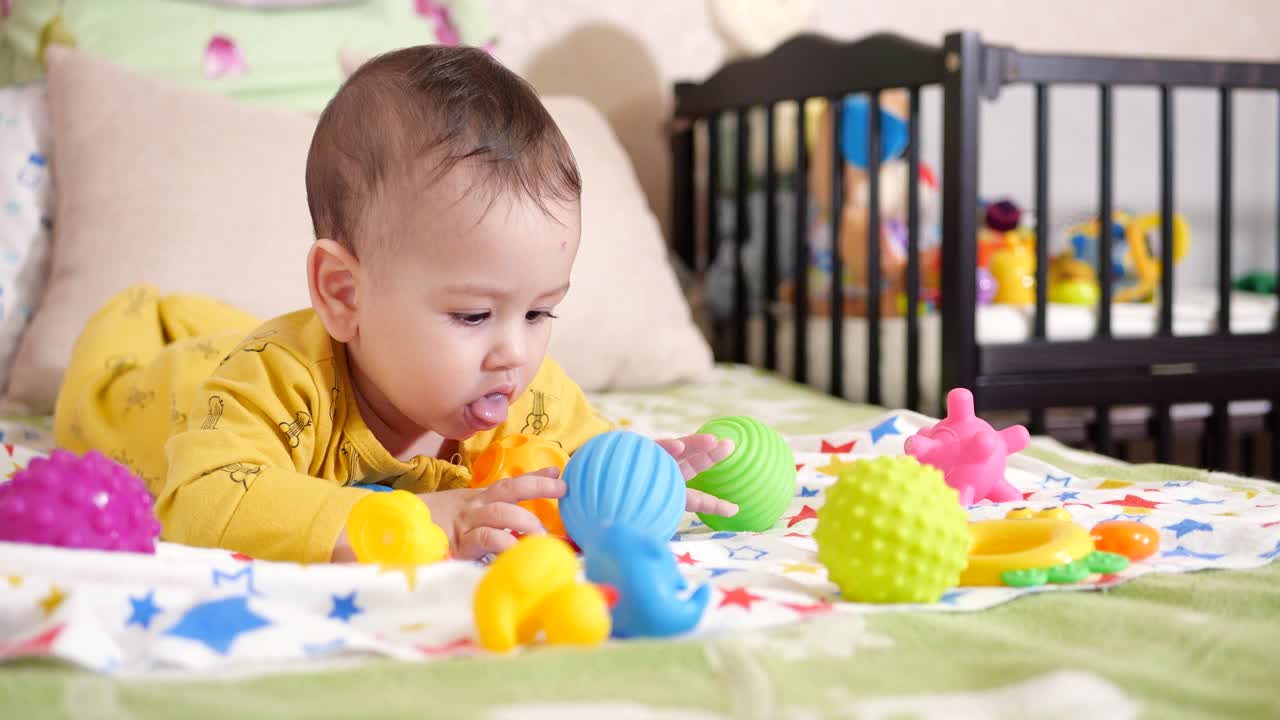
641	568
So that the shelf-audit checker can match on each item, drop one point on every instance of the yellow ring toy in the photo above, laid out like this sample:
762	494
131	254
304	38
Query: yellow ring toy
1020	544
1146	267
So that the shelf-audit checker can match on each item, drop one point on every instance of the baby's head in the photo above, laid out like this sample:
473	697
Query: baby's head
446	210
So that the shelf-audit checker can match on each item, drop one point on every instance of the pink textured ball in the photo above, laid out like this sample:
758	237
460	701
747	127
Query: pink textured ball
88	502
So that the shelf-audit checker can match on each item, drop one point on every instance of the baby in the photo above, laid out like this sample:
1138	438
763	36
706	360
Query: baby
445	203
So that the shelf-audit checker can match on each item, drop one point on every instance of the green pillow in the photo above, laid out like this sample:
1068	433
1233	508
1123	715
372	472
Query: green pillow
289	53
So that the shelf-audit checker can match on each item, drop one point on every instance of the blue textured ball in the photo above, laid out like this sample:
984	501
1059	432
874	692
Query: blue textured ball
622	478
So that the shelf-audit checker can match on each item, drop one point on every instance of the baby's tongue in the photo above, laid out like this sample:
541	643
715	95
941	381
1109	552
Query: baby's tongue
490	408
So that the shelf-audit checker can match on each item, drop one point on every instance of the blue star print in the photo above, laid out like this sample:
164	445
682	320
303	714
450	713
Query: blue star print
808	492
328	648
344	607
246	573
739	553
1188	526
1064	480
883	429
1183	552
951	596
218	623
717	572
144	609
1271	554
1202	501
723	535
1066	495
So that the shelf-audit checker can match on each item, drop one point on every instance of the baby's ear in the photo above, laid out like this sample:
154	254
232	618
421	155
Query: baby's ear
332	271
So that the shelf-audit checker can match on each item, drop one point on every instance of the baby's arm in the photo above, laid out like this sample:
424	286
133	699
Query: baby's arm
240	475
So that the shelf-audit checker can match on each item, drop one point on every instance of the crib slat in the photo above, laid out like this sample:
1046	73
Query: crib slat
836	315
874	281
1104	211
1042	215
1220	423
800	263
1163	432
771	259
742	230
1166	210
1225	165
913	250
713	187
1102	413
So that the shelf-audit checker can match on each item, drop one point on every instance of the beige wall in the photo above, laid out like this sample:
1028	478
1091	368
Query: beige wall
624	55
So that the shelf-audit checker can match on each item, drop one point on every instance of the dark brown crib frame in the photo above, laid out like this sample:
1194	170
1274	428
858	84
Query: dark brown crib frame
1033	379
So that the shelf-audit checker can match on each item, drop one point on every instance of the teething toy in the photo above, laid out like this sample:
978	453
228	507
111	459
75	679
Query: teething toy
517	455
533	588
970	454
759	476
622	478
892	531
88	502
643	571
1030	548
395	528
1126	537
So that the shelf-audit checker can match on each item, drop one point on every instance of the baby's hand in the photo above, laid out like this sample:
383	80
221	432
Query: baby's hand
476	519
695	453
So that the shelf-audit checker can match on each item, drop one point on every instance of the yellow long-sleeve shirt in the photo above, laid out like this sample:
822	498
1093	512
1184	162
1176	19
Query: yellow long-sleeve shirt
265	457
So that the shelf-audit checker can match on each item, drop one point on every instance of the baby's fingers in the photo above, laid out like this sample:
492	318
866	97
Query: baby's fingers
697	501
545	483
505	516
480	541
695	462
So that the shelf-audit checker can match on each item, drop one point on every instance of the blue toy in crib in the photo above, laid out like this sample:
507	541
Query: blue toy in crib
855	124
641	568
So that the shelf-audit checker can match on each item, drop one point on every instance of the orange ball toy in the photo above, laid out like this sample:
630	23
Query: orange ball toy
1125	537
516	455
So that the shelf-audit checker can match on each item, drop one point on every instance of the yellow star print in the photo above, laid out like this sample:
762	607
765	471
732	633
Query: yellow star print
51	601
800	568
15	581
1114	484
836	466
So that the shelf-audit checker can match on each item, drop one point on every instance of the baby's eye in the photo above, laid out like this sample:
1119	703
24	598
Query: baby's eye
534	316
470	319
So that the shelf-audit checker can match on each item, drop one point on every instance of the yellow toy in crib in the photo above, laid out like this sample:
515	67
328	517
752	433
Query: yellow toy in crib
1146	268
1013	266
395	528
533	588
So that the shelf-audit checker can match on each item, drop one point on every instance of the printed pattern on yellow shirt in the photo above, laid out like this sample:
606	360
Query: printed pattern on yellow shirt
260	441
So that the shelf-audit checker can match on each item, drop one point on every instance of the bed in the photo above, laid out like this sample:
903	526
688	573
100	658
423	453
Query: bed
769	205
207	633
358	642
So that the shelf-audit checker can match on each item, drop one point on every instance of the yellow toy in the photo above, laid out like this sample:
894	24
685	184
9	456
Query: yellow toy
516	455
1145	267
1013	266
533	588
395	528
1030	548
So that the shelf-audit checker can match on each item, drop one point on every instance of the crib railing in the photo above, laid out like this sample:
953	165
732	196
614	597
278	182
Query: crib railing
1034	376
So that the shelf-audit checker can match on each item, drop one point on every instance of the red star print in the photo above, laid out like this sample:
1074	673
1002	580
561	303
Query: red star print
806	513
739	596
40	644
799	535
1133	501
798	466
828	448
1080	504
1027	495
1152	490
8	447
1271	524
241	557
818	608
455	646
686	559
1105	579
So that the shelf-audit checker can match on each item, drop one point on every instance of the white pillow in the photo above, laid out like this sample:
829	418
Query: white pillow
202	194
26	204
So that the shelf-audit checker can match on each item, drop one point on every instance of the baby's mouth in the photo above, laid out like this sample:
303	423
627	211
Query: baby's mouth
490	410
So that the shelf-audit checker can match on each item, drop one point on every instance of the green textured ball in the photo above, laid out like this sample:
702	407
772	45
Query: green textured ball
759	476
892	531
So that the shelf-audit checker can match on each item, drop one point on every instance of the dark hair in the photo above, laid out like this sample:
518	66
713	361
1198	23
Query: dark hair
406	118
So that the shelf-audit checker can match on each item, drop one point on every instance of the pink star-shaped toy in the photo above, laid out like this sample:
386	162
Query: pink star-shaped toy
969	452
